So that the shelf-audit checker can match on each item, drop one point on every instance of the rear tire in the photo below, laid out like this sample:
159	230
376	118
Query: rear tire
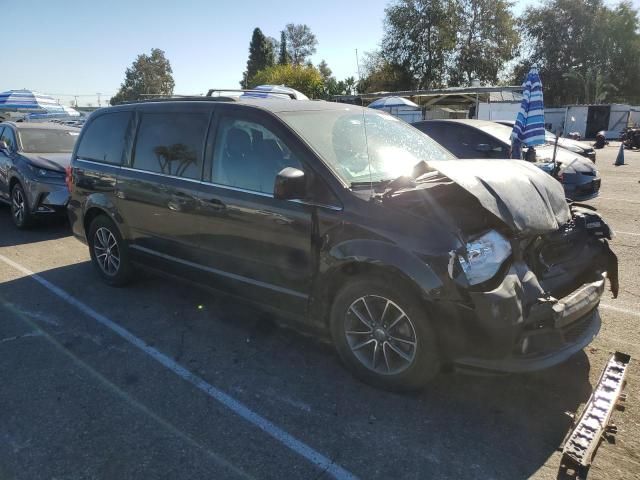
383	335
109	252
20	208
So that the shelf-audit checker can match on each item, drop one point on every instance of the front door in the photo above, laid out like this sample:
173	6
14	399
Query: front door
260	247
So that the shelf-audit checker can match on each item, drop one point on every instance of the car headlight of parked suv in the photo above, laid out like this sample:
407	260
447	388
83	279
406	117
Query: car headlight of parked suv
45	173
485	255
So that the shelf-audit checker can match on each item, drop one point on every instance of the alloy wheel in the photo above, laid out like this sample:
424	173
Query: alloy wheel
19	205
107	252
380	334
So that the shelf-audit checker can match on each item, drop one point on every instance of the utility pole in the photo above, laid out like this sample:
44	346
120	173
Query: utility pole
75	101
98	94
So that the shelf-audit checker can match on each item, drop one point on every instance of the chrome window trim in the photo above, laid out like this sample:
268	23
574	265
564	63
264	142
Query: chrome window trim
222	273
334	208
238	189
93	162
158	174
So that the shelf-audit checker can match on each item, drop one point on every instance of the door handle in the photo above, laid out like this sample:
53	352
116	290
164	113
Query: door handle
215	204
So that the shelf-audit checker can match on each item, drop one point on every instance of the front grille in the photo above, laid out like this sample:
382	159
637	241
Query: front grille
588	188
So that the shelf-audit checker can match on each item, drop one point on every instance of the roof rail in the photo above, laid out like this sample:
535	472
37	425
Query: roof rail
179	98
211	91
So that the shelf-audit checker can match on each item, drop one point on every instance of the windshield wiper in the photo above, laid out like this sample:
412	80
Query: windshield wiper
388	186
406	181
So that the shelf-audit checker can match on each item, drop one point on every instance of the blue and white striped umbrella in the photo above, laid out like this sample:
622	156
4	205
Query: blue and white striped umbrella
28	101
529	127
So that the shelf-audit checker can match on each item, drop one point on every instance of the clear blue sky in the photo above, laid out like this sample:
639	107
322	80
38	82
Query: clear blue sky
67	47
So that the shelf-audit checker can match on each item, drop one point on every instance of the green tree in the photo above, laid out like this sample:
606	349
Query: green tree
584	49
300	42
275	47
324	70
420	36
283	57
260	56
381	75
307	80
148	75
621	39
487	38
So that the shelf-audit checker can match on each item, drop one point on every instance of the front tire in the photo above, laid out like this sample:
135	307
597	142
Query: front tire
20	208
383	335
109	253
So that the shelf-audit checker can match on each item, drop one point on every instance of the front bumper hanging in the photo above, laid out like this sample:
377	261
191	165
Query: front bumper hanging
594	424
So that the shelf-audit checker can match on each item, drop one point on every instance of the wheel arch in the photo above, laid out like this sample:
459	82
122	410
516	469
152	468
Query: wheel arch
370	257
100	204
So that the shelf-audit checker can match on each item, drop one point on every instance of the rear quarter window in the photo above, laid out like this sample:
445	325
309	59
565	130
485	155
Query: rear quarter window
104	138
171	143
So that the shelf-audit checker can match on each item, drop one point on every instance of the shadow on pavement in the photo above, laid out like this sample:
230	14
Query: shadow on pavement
461	426
50	228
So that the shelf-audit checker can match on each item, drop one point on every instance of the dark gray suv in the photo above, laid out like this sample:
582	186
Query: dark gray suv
351	224
33	159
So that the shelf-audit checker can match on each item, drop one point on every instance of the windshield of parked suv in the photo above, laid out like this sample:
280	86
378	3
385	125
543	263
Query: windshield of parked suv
41	140
362	147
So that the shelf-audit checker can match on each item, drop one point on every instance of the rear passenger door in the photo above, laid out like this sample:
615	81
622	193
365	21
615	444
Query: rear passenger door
157	193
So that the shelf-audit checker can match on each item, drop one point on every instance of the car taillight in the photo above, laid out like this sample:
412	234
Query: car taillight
68	179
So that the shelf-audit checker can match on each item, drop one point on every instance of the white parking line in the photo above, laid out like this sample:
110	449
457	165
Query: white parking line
235	406
620	309
627	233
619	199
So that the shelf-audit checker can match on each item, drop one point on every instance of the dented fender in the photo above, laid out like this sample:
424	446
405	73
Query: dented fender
384	254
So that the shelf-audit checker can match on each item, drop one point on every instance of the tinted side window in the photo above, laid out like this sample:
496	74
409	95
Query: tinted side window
450	137
104	139
171	143
9	137
248	155
478	144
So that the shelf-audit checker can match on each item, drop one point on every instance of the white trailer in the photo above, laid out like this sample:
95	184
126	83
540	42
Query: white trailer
495	111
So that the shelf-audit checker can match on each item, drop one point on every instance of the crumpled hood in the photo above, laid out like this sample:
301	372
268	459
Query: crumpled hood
524	197
50	161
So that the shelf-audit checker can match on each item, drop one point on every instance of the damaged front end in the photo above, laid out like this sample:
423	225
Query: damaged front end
529	269
545	306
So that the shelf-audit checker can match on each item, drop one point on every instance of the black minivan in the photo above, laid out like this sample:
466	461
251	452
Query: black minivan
352	223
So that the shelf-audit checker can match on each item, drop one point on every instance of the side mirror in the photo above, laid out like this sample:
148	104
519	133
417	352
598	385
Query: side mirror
4	147
483	147
290	184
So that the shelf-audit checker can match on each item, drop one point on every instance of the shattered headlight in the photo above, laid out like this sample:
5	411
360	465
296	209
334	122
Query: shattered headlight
485	255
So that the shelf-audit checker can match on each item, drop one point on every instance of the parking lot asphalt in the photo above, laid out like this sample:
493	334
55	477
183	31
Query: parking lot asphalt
163	380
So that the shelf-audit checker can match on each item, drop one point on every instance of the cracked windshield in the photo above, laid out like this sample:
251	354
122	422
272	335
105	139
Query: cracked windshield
280	241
